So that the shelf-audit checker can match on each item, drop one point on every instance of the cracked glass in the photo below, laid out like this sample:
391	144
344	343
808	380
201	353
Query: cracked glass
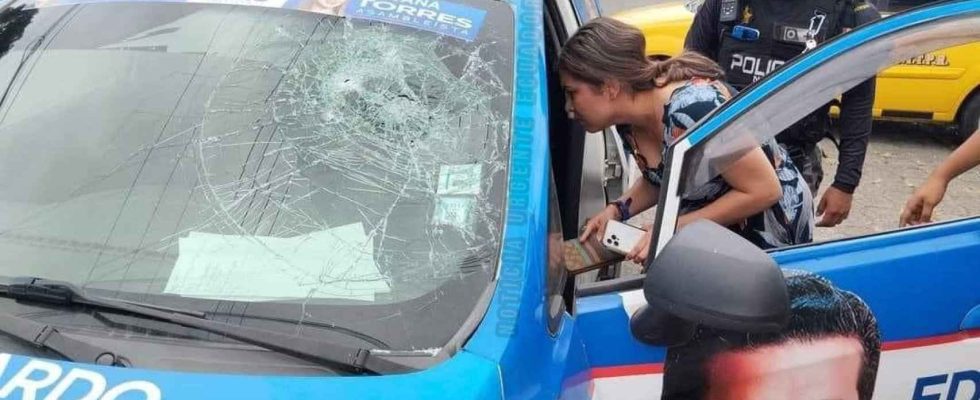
250	161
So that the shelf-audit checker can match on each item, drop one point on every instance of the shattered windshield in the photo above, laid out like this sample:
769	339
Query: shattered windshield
326	168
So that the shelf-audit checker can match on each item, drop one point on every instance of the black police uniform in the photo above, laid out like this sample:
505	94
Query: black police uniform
751	38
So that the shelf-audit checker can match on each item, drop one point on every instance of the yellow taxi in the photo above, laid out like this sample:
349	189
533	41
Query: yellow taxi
940	87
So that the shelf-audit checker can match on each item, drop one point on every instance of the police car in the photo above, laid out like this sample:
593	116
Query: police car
368	199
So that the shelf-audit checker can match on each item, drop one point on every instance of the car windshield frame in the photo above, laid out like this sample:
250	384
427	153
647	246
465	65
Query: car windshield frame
479	54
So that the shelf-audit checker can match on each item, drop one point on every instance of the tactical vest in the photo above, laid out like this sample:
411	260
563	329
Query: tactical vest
782	33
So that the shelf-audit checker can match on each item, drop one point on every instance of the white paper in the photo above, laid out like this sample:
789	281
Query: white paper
335	263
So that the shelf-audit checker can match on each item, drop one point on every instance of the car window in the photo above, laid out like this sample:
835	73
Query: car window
711	155
586	10
739	131
306	166
556	272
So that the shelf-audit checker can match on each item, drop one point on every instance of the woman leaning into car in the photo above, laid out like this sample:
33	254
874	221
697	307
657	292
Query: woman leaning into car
608	81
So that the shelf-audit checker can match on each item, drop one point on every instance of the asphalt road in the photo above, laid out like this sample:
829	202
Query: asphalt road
899	158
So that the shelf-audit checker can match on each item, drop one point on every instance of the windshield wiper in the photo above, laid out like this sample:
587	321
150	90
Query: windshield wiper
334	355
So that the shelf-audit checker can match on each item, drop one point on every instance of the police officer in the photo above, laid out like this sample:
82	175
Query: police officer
751	38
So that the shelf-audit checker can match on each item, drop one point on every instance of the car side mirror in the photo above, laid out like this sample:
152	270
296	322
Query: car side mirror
709	275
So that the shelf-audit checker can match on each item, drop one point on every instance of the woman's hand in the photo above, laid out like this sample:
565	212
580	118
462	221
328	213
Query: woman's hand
597	224
642	247
918	209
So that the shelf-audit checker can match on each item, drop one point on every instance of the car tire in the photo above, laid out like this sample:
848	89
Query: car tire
970	116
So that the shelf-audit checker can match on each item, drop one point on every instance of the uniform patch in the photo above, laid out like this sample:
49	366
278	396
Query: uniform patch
791	34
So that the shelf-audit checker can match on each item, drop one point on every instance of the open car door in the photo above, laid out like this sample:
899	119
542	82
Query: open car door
590	169
909	298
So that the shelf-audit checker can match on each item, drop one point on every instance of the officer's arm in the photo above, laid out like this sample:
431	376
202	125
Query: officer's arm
703	35
855	120
855	130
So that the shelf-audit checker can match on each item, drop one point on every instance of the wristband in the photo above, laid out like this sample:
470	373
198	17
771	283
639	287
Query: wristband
623	206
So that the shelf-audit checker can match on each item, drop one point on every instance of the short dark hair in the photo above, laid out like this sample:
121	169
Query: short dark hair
818	310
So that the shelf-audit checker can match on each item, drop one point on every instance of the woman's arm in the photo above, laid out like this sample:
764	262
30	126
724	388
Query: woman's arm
755	188
641	195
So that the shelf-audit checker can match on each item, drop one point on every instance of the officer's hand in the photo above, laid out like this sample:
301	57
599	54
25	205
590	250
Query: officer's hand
918	209
642	247
835	206
597	224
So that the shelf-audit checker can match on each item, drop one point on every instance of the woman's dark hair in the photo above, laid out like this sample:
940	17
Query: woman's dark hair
606	49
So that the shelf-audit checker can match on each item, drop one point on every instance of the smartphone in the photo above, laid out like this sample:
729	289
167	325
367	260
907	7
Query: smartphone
620	237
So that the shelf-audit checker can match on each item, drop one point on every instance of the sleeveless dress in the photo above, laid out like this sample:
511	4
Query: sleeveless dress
790	221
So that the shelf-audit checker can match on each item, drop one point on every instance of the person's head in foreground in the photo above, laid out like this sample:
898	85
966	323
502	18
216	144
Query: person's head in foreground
828	351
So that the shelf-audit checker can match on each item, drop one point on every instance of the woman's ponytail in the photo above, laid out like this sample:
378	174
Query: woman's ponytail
688	65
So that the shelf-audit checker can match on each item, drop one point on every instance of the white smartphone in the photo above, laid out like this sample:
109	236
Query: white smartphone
620	237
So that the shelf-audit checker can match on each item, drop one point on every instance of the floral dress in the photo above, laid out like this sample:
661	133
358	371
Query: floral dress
788	222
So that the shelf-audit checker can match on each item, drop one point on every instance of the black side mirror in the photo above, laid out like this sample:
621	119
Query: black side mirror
708	275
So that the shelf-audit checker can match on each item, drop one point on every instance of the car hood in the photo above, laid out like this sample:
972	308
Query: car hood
464	376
